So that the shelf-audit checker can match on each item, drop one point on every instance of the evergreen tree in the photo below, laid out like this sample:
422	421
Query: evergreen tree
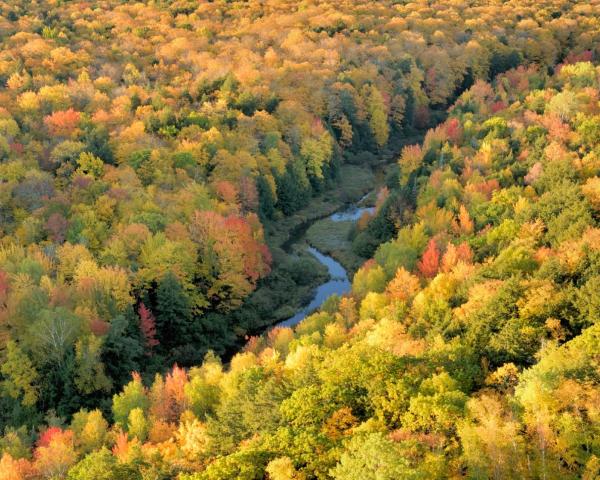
266	200
122	349
293	189
173	312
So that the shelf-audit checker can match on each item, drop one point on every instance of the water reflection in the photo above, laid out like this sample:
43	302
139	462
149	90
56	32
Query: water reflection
352	214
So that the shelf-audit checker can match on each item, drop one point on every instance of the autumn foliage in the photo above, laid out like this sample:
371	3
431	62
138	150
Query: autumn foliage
430	261
155	157
148	326
62	123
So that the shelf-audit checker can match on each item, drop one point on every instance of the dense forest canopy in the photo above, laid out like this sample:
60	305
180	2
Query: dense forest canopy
146	147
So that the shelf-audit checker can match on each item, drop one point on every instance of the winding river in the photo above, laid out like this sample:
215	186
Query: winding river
338	282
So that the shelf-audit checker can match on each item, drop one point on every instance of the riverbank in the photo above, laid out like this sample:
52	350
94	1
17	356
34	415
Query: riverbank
354	182
296	273
337	284
332	235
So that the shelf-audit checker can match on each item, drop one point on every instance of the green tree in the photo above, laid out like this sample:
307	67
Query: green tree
317	154
102	465
89	164
91	430
437	406
266	199
90	376
378	116
373	457
492	444
137	424
20	375
173	312
133	396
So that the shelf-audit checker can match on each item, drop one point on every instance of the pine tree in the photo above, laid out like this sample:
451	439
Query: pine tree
173	312
266	198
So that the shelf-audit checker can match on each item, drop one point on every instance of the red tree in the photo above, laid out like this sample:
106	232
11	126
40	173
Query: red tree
227	192
454	130
147	325
62	123
48	435
248	194
464	252
430	261
4	284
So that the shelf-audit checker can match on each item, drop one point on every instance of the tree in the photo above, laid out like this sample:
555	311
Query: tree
102	465
4	287
167	397
203	391
317	154
148	326
57	226
369	278
438	405
62	123
266	199
378	115
137	424
464	221
564	105
397	111
20	376
591	190
90	165
15	468
404	286
410	160
293	188
90	430
372	457
133	396
281	469
55	453
90	376
233	259
122	349
455	255
589	131
342	125
430	261
173	312
492	443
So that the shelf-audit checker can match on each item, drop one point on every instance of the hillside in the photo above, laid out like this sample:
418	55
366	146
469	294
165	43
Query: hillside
153	157
469	344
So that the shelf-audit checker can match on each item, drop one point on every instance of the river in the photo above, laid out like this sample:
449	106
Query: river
338	283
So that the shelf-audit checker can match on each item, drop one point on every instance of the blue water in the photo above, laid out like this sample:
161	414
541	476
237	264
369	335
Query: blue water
351	214
337	284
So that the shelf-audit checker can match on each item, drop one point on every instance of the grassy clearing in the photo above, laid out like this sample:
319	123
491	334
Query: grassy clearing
329	236
332	238
355	181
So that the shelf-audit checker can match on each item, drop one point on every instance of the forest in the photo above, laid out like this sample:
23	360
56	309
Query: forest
156	156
